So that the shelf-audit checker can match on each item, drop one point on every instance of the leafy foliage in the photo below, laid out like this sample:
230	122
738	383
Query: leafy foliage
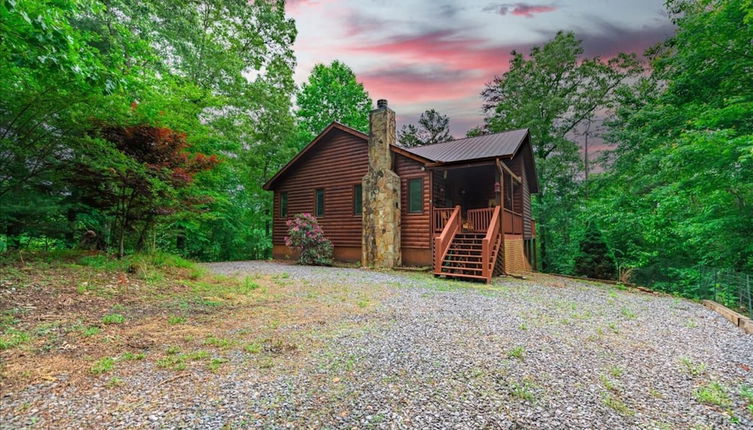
332	93
217	73
552	92
305	235
432	128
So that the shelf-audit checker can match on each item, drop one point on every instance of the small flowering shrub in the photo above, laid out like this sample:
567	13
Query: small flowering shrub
305	235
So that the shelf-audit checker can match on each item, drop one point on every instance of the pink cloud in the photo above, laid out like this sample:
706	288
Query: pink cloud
521	9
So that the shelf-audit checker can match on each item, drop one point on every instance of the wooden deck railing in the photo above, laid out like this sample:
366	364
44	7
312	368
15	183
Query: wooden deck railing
487	244
442	242
441	215
479	219
513	222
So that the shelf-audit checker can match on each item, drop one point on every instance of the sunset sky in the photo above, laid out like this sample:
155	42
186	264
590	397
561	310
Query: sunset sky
422	54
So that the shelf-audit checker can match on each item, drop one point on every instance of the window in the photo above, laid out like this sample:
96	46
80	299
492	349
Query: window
357	199
416	195
319	209
284	204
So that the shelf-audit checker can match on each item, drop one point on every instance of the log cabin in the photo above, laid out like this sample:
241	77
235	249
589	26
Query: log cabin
461	207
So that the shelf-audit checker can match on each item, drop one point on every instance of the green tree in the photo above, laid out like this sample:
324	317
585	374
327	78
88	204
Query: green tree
594	259
552	92
678	191
432	128
332	93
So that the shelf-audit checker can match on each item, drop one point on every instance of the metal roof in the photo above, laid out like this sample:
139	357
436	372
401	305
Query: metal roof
473	148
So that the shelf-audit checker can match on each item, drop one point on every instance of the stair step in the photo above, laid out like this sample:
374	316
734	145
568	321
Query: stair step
460	275
464	269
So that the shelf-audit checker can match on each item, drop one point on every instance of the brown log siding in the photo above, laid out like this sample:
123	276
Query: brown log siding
336	164
415	231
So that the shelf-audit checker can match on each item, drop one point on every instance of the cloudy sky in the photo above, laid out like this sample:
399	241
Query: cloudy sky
422	54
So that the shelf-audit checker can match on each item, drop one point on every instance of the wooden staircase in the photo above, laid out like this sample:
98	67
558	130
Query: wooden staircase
468	254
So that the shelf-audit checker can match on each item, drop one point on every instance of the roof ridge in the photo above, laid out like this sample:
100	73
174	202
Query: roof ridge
465	138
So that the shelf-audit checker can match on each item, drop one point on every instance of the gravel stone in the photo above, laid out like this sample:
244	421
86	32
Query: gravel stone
546	352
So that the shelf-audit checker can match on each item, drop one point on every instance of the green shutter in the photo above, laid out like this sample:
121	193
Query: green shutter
357	200
416	195
320	202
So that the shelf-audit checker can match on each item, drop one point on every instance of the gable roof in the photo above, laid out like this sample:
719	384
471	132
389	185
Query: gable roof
505	144
334	125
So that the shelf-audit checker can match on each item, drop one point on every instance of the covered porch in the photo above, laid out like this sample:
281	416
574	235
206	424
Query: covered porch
476	209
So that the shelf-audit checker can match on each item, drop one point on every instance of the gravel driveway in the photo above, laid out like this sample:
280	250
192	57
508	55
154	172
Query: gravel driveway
543	352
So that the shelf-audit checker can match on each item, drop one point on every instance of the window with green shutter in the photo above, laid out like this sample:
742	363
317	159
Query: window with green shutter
284	204
357	200
416	195
319	210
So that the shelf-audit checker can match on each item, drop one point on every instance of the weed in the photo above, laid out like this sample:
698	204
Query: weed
516	352
612	326
248	285
174	362
524	391
253	348
113	319
617	405
608	383
103	365
746	393
174	319
691	324
130	356
12	338
692	367
616	371
628	313
114	382
197	355
82	288
363	303
172	350
218	342
90	331
713	393
215	364
523	326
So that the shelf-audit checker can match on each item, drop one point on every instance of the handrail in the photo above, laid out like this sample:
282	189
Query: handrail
479	218
486	252
441	215
443	241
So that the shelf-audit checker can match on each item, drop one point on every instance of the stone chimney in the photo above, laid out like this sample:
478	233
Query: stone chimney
381	194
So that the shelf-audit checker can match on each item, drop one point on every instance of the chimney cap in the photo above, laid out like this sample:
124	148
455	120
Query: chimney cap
382	104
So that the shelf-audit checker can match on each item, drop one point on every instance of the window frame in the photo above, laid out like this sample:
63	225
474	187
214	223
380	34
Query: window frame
357	198
283	198
420	180
316	203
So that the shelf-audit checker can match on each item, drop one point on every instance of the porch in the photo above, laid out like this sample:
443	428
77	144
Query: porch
475	210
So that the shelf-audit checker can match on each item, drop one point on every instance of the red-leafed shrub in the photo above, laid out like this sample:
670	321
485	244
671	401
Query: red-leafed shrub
305	235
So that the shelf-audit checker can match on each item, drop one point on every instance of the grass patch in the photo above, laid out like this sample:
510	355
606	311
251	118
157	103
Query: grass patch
113	319
218	342
215	364
90	331
114	382
253	347
103	365
608	383
691	367
517	352
628	313
713	393
174	320
13	338
523	391
617	405
130	356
